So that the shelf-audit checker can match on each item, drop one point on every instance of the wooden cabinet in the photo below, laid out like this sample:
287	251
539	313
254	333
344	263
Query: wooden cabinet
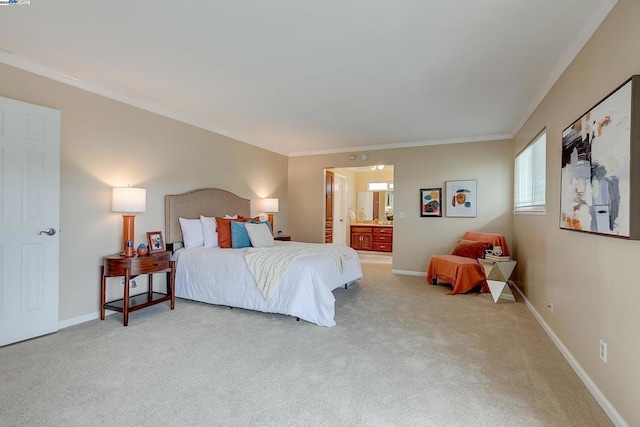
372	238
382	239
361	237
328	215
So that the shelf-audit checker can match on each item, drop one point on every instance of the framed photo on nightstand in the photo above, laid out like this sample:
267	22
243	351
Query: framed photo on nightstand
155	241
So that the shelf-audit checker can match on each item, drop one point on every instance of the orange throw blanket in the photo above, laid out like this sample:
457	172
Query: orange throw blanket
463	273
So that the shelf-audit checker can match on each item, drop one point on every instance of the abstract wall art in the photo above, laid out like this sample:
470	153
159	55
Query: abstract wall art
462	198
599	153
431	202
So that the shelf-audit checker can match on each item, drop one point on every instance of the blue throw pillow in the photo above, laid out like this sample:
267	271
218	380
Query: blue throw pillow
239	235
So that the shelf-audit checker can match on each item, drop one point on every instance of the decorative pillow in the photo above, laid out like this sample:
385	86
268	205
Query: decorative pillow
470	248
258	221
231	217
224	231
239	236
209	229
192	235
259	234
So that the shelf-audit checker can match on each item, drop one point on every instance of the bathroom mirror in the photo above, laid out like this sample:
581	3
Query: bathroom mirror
374	205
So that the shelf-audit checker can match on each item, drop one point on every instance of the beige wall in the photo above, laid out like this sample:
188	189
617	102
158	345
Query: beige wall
105	143
415	239
364	178
594	281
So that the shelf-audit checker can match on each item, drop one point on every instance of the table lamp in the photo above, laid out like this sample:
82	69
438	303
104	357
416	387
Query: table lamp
128	200
270	206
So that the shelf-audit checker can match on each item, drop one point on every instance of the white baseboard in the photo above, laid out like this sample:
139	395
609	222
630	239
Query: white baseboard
81	319
410	273
607	407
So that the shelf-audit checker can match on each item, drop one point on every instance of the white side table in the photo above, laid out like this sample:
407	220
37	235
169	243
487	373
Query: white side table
498	273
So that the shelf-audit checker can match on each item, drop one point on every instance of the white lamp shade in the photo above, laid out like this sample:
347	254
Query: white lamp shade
128	199
270	205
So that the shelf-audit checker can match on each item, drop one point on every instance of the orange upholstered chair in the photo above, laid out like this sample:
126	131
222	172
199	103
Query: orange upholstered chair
461	269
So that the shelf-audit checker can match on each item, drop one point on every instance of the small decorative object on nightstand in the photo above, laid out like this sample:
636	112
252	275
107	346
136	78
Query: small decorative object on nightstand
120	266
282	237
142	249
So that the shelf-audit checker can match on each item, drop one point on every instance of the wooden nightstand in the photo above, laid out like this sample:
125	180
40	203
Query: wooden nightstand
119	266
282	237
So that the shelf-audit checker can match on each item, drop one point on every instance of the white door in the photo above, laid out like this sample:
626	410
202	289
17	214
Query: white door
29	204
339	214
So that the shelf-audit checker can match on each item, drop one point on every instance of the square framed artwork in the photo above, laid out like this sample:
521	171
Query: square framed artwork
462	198
155	241
599	175
431	202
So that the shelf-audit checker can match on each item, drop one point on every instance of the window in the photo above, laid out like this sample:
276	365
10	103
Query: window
377	186
530	176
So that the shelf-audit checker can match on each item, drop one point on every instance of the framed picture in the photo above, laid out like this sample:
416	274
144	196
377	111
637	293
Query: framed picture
599	176
431	202
155	241
462	199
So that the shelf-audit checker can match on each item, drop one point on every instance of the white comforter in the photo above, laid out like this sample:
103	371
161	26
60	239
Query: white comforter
220	276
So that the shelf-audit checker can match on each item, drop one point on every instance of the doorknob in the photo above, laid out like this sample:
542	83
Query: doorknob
48	231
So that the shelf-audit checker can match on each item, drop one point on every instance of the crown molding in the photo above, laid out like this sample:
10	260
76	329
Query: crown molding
481	138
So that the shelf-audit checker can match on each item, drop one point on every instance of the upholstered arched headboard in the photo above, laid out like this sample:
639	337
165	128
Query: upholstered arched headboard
209	202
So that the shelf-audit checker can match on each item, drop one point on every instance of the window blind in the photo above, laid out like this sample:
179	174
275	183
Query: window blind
530	176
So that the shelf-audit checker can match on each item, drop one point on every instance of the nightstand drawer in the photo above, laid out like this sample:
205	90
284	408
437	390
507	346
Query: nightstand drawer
115	266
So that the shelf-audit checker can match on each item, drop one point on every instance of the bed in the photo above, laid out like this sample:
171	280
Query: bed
221	276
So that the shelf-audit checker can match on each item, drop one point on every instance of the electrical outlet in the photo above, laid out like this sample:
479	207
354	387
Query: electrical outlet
603	351
550	306
132	283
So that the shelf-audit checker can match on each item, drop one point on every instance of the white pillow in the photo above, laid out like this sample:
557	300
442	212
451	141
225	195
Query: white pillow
231	216
259	234
192	234
210	230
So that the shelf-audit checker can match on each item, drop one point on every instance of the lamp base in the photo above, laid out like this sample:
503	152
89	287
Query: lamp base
128	223
270	219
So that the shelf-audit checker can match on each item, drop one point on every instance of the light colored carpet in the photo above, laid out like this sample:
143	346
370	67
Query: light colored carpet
367	257
403	353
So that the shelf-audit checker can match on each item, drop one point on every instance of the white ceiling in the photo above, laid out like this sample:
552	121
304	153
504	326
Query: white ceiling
306	77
